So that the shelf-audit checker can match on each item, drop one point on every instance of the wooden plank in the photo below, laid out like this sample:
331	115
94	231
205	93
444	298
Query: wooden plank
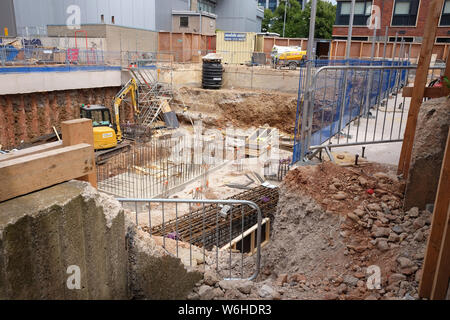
429	92
31	150
447	74
245	234
441	279
80	131
429	33
34	172
267	231
252	242
437	226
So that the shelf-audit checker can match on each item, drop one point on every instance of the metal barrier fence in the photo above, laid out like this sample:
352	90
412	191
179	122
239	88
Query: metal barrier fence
34	52
217	222
154	168
352	105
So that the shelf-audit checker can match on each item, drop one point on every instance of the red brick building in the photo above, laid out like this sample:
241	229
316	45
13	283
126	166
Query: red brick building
405	17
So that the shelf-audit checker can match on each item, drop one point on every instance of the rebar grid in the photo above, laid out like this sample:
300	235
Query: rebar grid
202	228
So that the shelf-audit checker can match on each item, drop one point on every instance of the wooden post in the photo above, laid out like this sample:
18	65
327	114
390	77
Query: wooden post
441	279
444	55
436	264
431	25
80	131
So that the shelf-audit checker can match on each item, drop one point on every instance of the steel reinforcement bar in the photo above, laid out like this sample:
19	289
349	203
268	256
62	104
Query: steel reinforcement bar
207	227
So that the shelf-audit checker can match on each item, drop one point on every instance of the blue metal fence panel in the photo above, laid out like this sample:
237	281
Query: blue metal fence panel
355	96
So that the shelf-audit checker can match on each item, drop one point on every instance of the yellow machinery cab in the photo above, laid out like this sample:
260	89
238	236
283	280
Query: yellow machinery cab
104	129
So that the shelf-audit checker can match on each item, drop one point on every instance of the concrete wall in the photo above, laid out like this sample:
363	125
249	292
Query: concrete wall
15	83
259	78
238	77
43	233
71	42
129	39
116	38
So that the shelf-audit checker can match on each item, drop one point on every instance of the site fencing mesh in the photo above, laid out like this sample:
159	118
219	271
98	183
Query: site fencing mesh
340	92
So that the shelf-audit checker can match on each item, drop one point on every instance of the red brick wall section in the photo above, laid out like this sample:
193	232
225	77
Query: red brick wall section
28	116
386	21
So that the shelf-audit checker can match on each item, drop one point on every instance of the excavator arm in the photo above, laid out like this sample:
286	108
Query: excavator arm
132	87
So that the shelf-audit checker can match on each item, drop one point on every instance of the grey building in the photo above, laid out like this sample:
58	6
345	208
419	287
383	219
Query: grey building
231	15
7	19
239	15
273	4
31	17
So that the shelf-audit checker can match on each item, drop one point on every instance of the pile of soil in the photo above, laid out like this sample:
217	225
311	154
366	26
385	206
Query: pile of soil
240	108
330	237
329	241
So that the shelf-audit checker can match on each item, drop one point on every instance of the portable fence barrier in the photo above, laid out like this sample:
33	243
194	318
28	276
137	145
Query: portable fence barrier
232	230
349	104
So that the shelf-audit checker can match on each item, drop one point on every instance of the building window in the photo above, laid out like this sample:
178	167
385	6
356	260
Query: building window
184	22
400	39
208	6
363	10
443	40
405	13
353	38
445	18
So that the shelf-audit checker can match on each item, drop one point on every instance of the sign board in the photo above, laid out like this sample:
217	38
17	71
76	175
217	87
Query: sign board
233	36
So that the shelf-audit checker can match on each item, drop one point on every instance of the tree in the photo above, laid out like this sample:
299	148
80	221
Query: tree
293	19
325	17
267	21
297	21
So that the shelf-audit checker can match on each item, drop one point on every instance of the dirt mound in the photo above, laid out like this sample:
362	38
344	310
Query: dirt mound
341	189
322	250
239	108
322	246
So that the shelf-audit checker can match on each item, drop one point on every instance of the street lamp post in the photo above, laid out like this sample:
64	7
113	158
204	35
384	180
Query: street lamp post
284	23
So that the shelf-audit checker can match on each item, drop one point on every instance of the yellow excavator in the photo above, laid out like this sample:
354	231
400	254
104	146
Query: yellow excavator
107	133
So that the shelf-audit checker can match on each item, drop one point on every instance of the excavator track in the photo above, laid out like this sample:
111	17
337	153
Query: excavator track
102	156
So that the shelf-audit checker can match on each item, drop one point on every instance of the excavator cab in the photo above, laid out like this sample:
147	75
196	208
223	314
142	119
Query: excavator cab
105	136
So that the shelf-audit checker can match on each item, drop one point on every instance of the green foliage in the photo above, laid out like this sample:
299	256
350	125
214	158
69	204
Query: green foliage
325	17
297	21
293	19
267	21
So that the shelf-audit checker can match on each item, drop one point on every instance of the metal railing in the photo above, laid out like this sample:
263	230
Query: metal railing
213	224
349	105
